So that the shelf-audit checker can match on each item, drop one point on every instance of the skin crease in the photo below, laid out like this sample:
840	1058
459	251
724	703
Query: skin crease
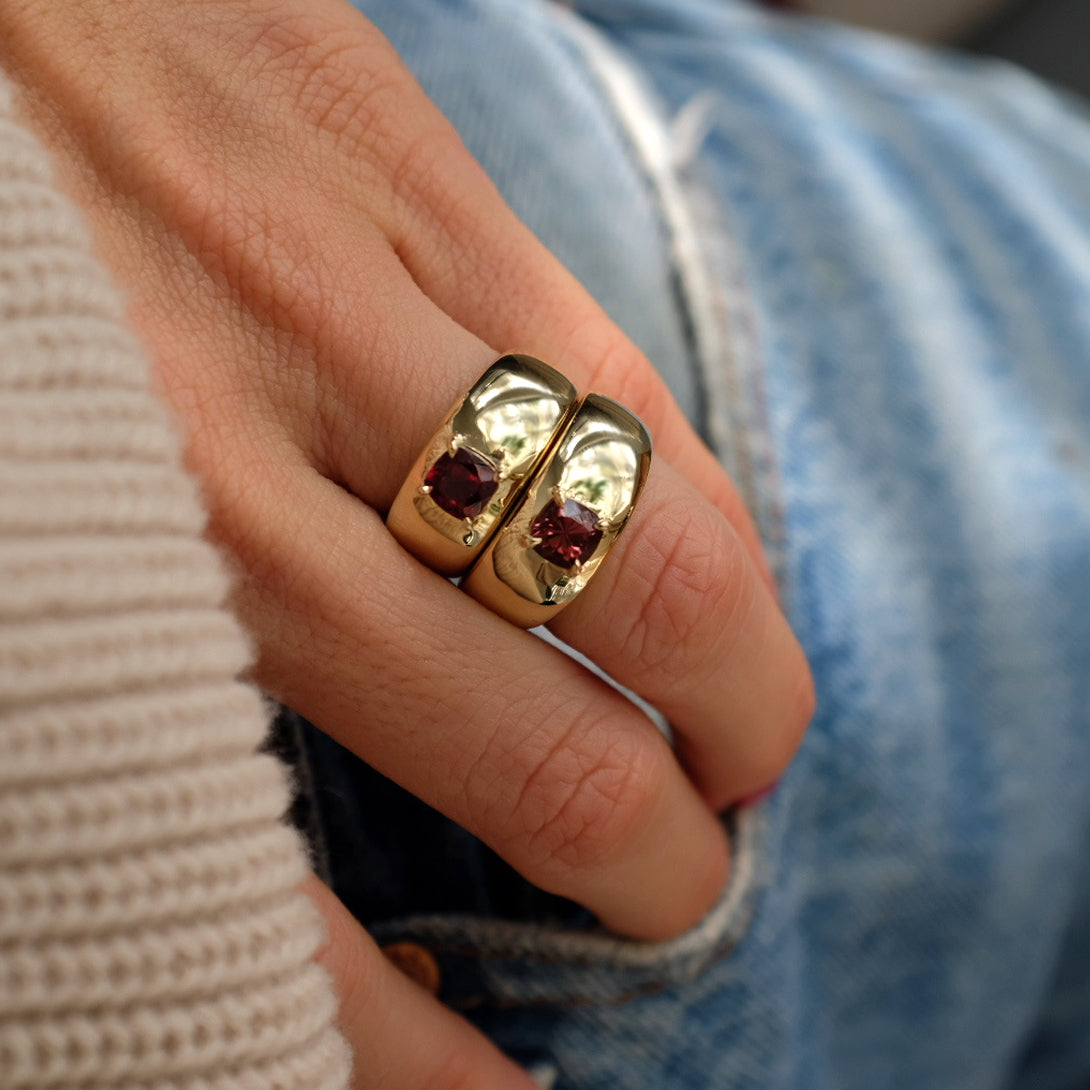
319	268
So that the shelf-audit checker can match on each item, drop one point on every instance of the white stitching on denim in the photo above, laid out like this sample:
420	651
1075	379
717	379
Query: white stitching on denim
724	923
666	151
734	384
656	148
545	1075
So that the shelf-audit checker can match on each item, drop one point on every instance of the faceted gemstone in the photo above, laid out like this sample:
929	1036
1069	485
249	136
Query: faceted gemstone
462	483
569	533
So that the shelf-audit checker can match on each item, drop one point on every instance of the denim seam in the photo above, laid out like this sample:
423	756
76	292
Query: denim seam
668	962
644	135
569	997
735	380
711	290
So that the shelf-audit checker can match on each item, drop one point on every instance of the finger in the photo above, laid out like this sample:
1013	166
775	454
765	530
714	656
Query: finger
548	765
679	614
511	738
401	1038
457	238
472	256
369	151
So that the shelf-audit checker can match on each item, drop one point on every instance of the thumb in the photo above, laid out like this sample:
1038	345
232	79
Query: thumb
401	1037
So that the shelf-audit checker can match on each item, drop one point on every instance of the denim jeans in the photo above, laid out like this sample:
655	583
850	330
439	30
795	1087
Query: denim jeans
865	271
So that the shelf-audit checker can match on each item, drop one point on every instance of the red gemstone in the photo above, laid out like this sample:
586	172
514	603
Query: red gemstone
569	533
462	483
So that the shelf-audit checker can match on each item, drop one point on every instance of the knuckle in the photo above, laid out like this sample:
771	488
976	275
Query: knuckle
344	85
418	166
338	79
696	595
583	803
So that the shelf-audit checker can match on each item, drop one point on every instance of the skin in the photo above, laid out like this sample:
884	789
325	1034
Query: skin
319	269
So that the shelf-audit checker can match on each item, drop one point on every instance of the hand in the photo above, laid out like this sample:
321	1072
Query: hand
320	269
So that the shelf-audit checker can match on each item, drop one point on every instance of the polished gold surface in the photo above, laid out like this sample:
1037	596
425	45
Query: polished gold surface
601	463
509	418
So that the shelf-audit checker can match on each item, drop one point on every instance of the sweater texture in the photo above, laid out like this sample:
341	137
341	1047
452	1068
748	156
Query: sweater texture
151	932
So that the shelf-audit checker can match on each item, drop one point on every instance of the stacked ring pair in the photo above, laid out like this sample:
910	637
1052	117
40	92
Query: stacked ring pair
524	489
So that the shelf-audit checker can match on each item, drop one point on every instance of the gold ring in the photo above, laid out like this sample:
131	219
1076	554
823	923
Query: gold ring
472	472
565	521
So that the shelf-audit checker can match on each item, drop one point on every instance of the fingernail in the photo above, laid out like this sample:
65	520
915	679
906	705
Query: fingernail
758	796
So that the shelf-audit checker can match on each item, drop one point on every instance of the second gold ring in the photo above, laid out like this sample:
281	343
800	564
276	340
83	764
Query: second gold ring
466	478
525	486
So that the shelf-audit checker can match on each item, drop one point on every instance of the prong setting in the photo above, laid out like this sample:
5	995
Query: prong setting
567	522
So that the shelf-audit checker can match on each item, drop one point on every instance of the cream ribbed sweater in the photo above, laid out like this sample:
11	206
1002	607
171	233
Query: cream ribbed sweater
150	932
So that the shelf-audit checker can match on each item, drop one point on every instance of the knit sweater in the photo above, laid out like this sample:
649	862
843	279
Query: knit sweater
151	932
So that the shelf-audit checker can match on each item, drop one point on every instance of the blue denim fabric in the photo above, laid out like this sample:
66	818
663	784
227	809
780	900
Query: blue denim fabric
865	270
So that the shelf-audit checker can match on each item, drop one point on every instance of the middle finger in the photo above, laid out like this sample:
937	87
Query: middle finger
681	614
510	737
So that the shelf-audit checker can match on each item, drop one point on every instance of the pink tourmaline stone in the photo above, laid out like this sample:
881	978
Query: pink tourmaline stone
569	533
462	483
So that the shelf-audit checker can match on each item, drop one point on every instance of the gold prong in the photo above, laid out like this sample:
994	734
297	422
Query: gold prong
425	490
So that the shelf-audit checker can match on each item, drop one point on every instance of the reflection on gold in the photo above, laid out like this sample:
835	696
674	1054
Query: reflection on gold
601	462
509	417
520	429
602	476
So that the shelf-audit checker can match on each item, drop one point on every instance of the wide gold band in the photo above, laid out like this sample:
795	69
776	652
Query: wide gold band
471	472
566	521
525	486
